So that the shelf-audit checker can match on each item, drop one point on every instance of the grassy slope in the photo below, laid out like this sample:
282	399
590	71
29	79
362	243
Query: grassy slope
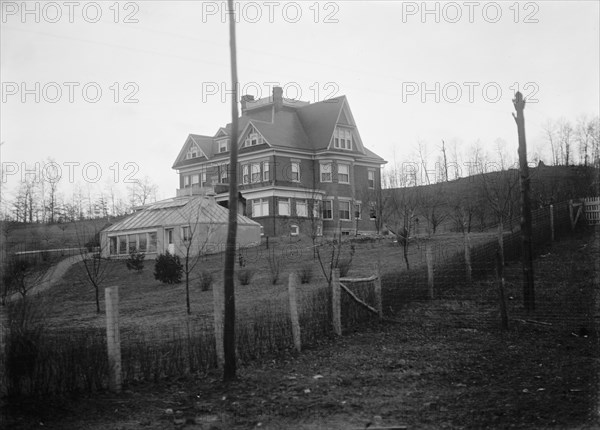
445	364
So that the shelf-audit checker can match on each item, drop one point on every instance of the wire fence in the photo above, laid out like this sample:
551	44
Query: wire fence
39	363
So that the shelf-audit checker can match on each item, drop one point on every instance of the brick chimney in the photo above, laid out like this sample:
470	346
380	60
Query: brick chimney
246	99
277	98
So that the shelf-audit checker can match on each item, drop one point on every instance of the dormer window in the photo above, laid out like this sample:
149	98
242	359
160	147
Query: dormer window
254	138
193	152
223	146
342	138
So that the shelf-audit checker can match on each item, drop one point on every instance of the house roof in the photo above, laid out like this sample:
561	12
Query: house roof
307	127
178	211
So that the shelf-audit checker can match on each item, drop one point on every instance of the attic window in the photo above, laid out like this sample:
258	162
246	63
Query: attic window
342	138
254	138
223	146
193	152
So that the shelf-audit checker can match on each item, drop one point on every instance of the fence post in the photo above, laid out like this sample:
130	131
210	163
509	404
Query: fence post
336	302
218	309
552	223
467	245
292	283
429	260
113	338
378	297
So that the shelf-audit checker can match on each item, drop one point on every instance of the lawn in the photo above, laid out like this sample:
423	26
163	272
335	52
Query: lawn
441	364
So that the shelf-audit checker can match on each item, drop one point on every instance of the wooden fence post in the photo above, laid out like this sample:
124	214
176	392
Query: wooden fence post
467	244
552	223
378	296
113	338
218	308
429	259
336	302
292	283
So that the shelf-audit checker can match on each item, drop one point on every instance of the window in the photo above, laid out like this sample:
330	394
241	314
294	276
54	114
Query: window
357	211
223	146
372	211
142	242
283	207
195	179
301	208
255	170
343	174
193	152
344	211
132	240
186	181
294	230
295	171
260	207
316	209
152	242
326	172
327	209
113	245
371	178
266	172
342	138
122	244
223	174
245	174
186	234
254	138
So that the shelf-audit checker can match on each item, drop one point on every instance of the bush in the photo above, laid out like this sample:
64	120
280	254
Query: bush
344	266
245	276
135	261
168	269
205	280
274	261
305	273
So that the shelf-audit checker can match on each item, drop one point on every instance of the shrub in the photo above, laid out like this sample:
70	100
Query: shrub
305	273
205	279
274	261
344	266
245	276
135	261
168	269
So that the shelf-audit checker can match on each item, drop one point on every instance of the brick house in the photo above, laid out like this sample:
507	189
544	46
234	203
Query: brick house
303	168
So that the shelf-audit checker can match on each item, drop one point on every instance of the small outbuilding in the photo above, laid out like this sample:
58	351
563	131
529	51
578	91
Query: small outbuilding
197	223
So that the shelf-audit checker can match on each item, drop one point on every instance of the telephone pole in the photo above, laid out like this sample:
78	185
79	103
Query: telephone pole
526	253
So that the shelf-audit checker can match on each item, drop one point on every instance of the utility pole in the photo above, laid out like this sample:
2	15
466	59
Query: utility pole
526	254
229	364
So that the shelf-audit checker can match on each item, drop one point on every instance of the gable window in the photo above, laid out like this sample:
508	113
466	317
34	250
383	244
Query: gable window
295	171
260	207
343	174
254	138
223	146
326	172
223	173
193	152
283	207
255	170
245	174
301	208
344	211
266	172
342	138
327	209
371	178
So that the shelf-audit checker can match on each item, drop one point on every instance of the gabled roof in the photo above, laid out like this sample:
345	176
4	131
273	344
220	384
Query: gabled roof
203	142
178	211
308	127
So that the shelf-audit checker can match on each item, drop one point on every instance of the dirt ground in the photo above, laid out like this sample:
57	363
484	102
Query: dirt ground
439	364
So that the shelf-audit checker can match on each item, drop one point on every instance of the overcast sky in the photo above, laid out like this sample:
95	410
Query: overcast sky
163	72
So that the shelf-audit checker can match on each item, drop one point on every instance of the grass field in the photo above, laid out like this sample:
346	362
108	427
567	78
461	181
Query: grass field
442	364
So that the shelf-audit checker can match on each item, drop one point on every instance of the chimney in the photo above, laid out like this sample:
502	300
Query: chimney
246	99
277	98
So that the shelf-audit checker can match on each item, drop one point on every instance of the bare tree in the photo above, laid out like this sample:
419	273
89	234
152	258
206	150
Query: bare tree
401	206
94	266
565	135
549	129
432	206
